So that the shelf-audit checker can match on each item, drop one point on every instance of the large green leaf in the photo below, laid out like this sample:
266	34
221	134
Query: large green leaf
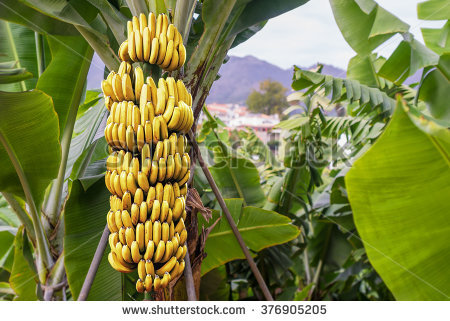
259	228
399	191
365	30
433	10
18	12
85	220
23	279
238	177
64	79
257	11
29	140
435	88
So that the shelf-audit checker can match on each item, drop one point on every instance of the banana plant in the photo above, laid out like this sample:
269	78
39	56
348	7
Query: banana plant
52	149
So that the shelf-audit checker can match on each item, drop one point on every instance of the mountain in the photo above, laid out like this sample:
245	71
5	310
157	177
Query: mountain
240	75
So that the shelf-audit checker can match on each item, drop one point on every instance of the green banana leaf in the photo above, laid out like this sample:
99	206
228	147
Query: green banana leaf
433	10
238	177
29	143
399	191
259	228
65	77
85	219
23	279
257	11
364	24
18	12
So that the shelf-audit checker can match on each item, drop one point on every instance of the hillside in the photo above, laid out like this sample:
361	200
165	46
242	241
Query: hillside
240	75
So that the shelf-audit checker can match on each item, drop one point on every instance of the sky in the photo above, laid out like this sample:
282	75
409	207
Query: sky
309	34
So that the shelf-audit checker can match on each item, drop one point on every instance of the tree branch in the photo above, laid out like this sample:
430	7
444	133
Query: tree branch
190	286
95	263
230	220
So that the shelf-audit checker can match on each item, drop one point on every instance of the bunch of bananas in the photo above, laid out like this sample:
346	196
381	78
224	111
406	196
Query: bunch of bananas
148	167
154	41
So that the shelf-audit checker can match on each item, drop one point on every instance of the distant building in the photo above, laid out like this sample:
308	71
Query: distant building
238	117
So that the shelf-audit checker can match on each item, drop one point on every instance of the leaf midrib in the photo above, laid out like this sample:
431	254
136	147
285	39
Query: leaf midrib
244	229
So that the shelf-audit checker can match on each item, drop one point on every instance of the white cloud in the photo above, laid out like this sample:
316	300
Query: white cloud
309	34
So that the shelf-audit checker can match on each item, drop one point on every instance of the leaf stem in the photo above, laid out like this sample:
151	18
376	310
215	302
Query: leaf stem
190	287
21	214
40	52
55	196
43	258
12	45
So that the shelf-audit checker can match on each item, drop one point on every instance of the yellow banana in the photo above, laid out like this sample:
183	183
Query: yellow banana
183	237
123	51
149	268
151	197
157	283
174	62
161	169
129	110
165	24
131	144
138	81
152	24
141	269
159	150
140	137
181	90
134	212
116	265
135	255
173	139
161	100
182	55
159	21
122	135
143	182
123	181
156	130
148	282
108	90
145	153
163	128
143	212
131	184
146	44
138	44
177	38
170	167
117	185
111	222
140	286
167	267
126	219
148	232
126	162
127	88
167	115
154	172
156	209
117	87
150	250
142	22
170	216
179	253
159	192
122	235
168	55
165	280
176	190
139	196
122	69
166	148
108	182
157	232
132	46
170	32
148	131
154	51
178	208
167	193
180	145
185	249
140	236
112	240
153	89
180	226
178	166
162	48
171	228
126	200
185	178
165	232
168	252
126	254
173	273
159	253
111	162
